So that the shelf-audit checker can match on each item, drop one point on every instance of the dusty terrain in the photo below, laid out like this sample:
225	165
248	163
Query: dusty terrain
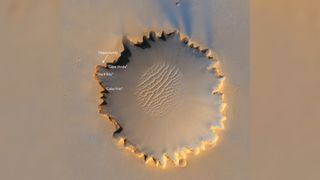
50	127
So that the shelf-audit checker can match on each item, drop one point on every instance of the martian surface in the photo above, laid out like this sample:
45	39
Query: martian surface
159	89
